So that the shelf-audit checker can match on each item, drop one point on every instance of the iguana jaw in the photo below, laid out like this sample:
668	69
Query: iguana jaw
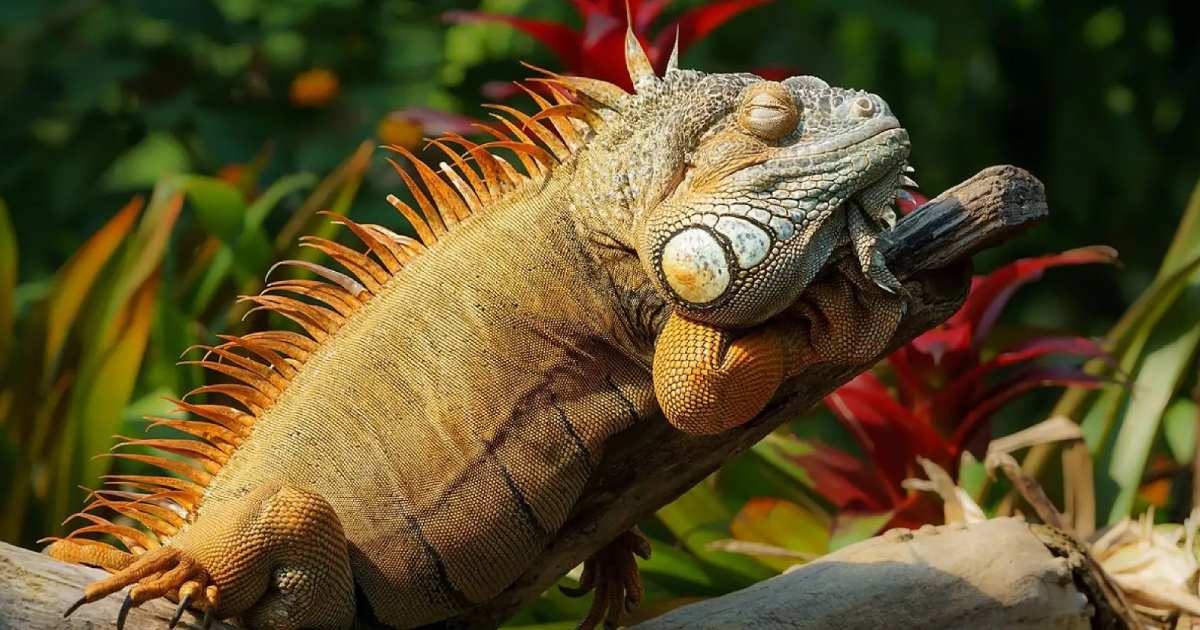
873	131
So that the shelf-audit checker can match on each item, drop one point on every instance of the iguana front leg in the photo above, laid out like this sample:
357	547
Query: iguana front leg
709	380
275	557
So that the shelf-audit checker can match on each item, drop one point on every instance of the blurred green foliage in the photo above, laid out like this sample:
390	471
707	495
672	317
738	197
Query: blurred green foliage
1097	98
248	116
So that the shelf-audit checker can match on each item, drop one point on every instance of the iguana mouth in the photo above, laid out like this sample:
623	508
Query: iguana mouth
878	130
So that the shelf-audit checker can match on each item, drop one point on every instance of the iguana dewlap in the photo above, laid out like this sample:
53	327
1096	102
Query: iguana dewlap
408	455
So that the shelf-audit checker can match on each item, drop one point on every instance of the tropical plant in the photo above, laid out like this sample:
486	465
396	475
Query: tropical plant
598	49
1153	420
95	347
931	399
944	390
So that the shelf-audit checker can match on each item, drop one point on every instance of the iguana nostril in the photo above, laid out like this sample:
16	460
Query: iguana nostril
695	266
864	107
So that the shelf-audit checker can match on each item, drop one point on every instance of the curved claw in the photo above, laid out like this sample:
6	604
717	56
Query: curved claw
124	612
586	581
79	602
183	604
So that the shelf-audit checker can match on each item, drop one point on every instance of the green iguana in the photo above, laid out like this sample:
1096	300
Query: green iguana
408	455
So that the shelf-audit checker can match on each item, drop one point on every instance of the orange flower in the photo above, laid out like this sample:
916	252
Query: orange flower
399	130
314	88
408	127
233	173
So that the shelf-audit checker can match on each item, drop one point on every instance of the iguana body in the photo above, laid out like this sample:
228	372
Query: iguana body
434	428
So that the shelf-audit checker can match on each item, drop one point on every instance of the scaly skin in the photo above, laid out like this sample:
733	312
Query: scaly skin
435	431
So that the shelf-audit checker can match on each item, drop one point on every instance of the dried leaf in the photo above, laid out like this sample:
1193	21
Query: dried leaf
1028	487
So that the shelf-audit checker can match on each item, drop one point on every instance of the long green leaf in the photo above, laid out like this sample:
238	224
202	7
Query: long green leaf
219	205
1169	351
698	518
8	283
105	394
782	524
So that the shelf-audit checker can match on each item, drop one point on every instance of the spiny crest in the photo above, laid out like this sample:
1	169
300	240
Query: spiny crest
641	72
259	366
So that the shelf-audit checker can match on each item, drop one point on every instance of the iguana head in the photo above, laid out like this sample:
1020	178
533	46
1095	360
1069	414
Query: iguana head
740	187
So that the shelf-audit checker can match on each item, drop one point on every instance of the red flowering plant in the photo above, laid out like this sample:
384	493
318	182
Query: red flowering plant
597	50
943	390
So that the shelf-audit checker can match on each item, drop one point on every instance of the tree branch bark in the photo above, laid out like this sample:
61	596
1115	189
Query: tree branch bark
1001	573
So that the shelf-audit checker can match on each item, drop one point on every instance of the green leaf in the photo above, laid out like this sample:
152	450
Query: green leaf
218	204
1170	349
783	452
157	156
142	258
698	518
678	570
282	187
215	274
1185	245
1179	429
972	476
781	524
8	282
851	527
103	396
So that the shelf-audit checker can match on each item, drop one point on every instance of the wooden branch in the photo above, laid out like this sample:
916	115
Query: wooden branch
1001	573
650	465
647	467
37	589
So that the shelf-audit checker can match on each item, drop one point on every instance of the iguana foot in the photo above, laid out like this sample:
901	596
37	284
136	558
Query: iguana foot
613	574
275	557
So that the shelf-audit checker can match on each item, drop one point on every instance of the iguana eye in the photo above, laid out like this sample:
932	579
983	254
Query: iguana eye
768	111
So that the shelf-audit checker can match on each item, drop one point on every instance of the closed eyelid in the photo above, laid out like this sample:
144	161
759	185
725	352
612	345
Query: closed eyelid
769	110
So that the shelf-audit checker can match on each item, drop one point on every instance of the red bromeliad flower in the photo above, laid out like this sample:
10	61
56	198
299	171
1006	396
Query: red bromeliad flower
944	390
598	50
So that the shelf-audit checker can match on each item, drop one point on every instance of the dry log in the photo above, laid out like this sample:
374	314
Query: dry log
1001	573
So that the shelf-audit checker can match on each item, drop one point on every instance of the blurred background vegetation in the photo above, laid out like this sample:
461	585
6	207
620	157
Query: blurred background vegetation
230	123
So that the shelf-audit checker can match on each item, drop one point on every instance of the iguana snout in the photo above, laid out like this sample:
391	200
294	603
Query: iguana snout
789	172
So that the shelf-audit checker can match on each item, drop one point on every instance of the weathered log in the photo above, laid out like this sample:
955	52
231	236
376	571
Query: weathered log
650	465
1001	573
